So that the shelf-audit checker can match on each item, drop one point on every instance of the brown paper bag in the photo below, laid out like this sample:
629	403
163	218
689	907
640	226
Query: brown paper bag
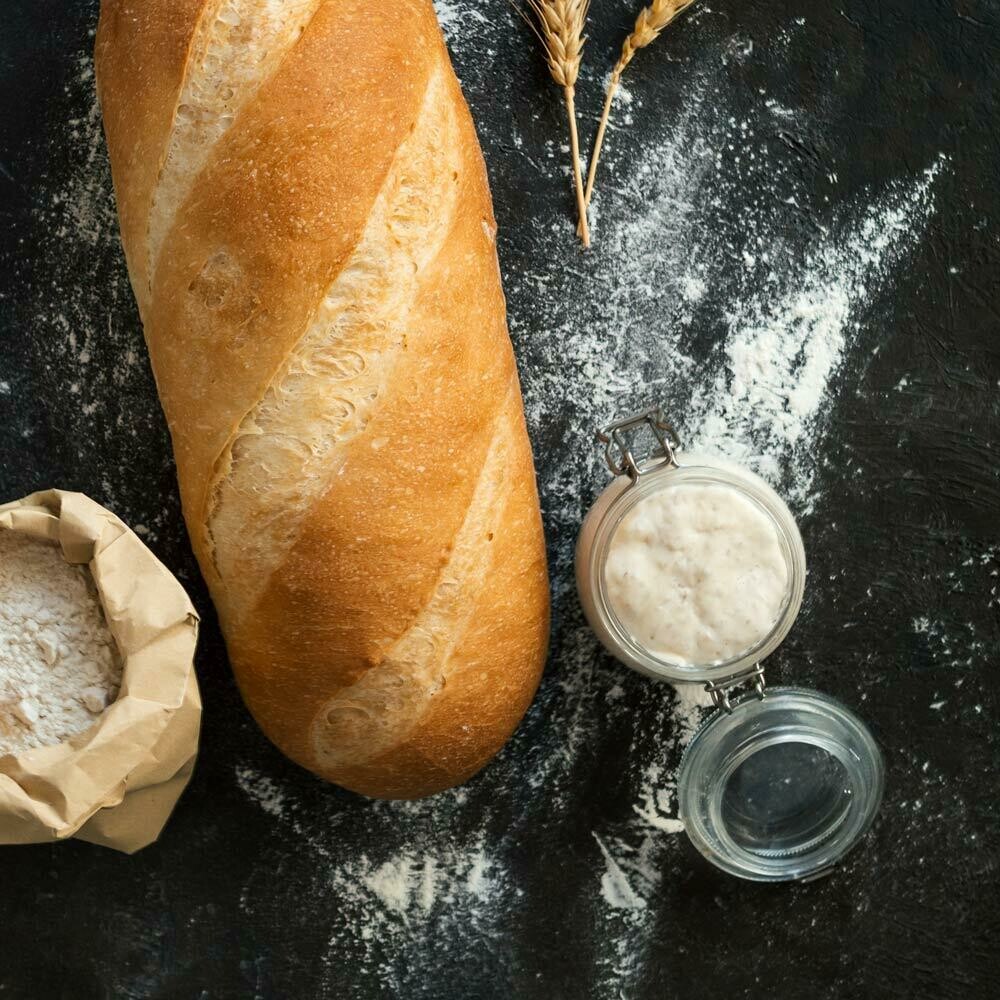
115	783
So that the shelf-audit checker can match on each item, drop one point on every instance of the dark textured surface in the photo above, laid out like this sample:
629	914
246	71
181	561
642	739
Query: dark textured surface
901	619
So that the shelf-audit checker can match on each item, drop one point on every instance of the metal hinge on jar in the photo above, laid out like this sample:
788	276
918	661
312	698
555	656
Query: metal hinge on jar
622	462
720	690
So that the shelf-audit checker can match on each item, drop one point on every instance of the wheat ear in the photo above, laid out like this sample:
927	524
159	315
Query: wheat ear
650	22
560	30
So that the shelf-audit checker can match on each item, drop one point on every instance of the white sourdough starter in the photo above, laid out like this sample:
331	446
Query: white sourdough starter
696	573
59	667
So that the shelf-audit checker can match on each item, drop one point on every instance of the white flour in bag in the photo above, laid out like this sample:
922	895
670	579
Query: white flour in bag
59	668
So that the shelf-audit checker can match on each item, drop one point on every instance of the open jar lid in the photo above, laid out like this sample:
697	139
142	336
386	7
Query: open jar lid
780	788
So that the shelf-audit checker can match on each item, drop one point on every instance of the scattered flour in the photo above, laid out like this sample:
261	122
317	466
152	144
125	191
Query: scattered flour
742	325
692	702
406	882
723	283
657	797
420	895
615	886
261	790
431	887
693	288
59	668
77	319
458	18
786	342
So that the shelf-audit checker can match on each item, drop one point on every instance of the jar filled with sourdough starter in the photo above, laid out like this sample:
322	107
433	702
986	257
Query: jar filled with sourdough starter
691	569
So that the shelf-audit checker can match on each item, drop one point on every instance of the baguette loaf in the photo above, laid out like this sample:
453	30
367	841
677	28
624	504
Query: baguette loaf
309	234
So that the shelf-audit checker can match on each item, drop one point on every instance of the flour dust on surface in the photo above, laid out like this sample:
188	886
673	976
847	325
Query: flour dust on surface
787	306
743	329
83	347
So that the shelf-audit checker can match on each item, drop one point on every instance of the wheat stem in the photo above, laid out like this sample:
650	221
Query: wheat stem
581	201
560	30
648	25
599	140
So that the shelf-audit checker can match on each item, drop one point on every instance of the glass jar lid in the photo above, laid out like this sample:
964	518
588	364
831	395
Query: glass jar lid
779	787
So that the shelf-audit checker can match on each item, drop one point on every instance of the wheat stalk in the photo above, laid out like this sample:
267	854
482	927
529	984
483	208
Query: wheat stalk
560	30
648	25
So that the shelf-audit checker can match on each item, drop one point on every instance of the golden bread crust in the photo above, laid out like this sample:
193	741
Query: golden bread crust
327	329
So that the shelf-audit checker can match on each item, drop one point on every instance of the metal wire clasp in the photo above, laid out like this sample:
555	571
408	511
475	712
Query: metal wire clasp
614	437
720	691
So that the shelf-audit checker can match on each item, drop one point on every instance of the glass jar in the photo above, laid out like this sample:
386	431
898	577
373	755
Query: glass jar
770	788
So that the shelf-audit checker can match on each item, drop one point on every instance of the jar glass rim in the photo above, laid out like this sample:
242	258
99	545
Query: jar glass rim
788	716
658	477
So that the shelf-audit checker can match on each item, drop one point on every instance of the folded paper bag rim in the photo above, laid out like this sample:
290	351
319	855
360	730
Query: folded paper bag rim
116	783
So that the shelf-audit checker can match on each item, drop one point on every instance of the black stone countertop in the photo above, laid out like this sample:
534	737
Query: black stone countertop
796	250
